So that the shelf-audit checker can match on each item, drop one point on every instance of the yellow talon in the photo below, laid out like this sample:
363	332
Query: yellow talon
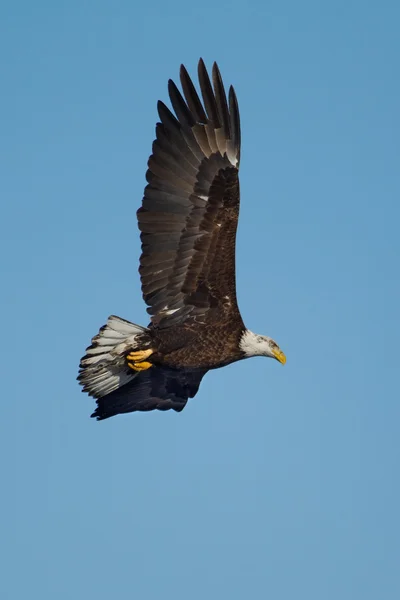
139	356
140	366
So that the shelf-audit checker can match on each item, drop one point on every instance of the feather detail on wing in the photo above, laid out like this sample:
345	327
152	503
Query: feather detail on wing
190	208
158	388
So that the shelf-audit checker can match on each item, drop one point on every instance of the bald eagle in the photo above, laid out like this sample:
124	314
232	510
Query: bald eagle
188	222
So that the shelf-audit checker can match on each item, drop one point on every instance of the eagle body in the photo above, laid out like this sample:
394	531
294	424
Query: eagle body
202	347
188	222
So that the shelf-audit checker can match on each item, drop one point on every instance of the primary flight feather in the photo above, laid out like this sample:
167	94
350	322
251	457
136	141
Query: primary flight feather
188	221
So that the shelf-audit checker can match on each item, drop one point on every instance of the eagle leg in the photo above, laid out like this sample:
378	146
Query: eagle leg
140	366
137	357
137	360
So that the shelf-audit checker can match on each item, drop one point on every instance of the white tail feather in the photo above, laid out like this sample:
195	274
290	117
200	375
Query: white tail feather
103	369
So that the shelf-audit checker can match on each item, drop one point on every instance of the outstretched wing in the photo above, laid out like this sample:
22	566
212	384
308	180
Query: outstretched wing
158	388
190	209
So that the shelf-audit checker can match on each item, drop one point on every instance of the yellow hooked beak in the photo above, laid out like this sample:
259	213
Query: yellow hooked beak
279	355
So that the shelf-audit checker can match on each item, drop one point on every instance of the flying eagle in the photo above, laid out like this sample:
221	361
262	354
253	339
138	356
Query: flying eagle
188	222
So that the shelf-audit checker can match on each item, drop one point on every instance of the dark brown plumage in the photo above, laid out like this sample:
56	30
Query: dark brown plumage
188	221
190	208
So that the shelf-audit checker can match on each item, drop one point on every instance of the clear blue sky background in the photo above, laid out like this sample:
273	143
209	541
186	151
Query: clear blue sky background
274	482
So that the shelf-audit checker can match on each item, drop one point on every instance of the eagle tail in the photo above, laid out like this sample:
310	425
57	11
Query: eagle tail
103	369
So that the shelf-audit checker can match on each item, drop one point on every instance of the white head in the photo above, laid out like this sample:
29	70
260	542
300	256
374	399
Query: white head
252	344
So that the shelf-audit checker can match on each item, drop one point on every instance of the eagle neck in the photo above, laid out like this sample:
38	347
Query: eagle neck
251	344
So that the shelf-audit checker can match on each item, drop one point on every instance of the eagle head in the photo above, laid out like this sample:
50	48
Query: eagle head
253	344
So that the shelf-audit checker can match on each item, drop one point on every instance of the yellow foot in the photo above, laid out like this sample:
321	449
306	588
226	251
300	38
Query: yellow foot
140	366
139	356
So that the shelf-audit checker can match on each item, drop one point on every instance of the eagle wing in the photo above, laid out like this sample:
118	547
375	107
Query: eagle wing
159	388
190	209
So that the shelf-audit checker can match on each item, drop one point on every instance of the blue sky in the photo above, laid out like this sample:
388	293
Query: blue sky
274	482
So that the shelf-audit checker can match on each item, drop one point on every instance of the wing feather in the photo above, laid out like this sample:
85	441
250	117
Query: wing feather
190	208
158	388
